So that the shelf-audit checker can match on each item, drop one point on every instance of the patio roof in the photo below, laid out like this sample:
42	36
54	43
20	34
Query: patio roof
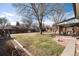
72	21
69	22
70	25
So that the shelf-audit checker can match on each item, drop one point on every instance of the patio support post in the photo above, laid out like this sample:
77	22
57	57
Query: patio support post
65	31
73	30
60	29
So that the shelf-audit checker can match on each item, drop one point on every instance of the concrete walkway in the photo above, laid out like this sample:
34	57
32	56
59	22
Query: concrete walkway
77	47
70	44
64	40
70	48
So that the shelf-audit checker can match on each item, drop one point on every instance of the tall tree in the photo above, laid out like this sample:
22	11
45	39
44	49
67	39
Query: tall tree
3	21
36	11
8	24
17	23
58	16
27	22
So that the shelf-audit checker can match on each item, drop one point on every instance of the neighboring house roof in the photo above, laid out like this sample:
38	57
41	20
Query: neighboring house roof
9	27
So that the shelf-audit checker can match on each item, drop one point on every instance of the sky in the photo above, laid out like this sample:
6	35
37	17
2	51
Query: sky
8	11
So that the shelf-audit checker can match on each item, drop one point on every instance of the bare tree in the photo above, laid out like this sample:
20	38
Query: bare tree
3	22
36	11
17	23
27	22
35	27
8	24
58	16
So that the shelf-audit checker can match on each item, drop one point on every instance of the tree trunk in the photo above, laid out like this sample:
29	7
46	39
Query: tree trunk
40	26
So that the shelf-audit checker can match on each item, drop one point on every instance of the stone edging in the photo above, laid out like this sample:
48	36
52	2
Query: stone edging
19	46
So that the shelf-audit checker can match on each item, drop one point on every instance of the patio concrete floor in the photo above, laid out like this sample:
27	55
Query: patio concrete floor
62	40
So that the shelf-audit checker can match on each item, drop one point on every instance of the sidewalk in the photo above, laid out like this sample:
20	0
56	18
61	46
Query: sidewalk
77	47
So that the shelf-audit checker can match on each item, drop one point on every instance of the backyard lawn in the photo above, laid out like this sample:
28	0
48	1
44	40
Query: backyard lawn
39	45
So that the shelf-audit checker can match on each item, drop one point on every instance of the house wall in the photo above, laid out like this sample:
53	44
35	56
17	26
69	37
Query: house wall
69	30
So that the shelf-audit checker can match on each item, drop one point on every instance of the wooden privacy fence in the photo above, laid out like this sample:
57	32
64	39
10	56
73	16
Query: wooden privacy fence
70	49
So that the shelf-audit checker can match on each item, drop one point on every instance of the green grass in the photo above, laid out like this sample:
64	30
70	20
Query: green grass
40	44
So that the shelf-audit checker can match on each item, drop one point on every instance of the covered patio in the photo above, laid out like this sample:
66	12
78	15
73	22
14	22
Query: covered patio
67	28
70	26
